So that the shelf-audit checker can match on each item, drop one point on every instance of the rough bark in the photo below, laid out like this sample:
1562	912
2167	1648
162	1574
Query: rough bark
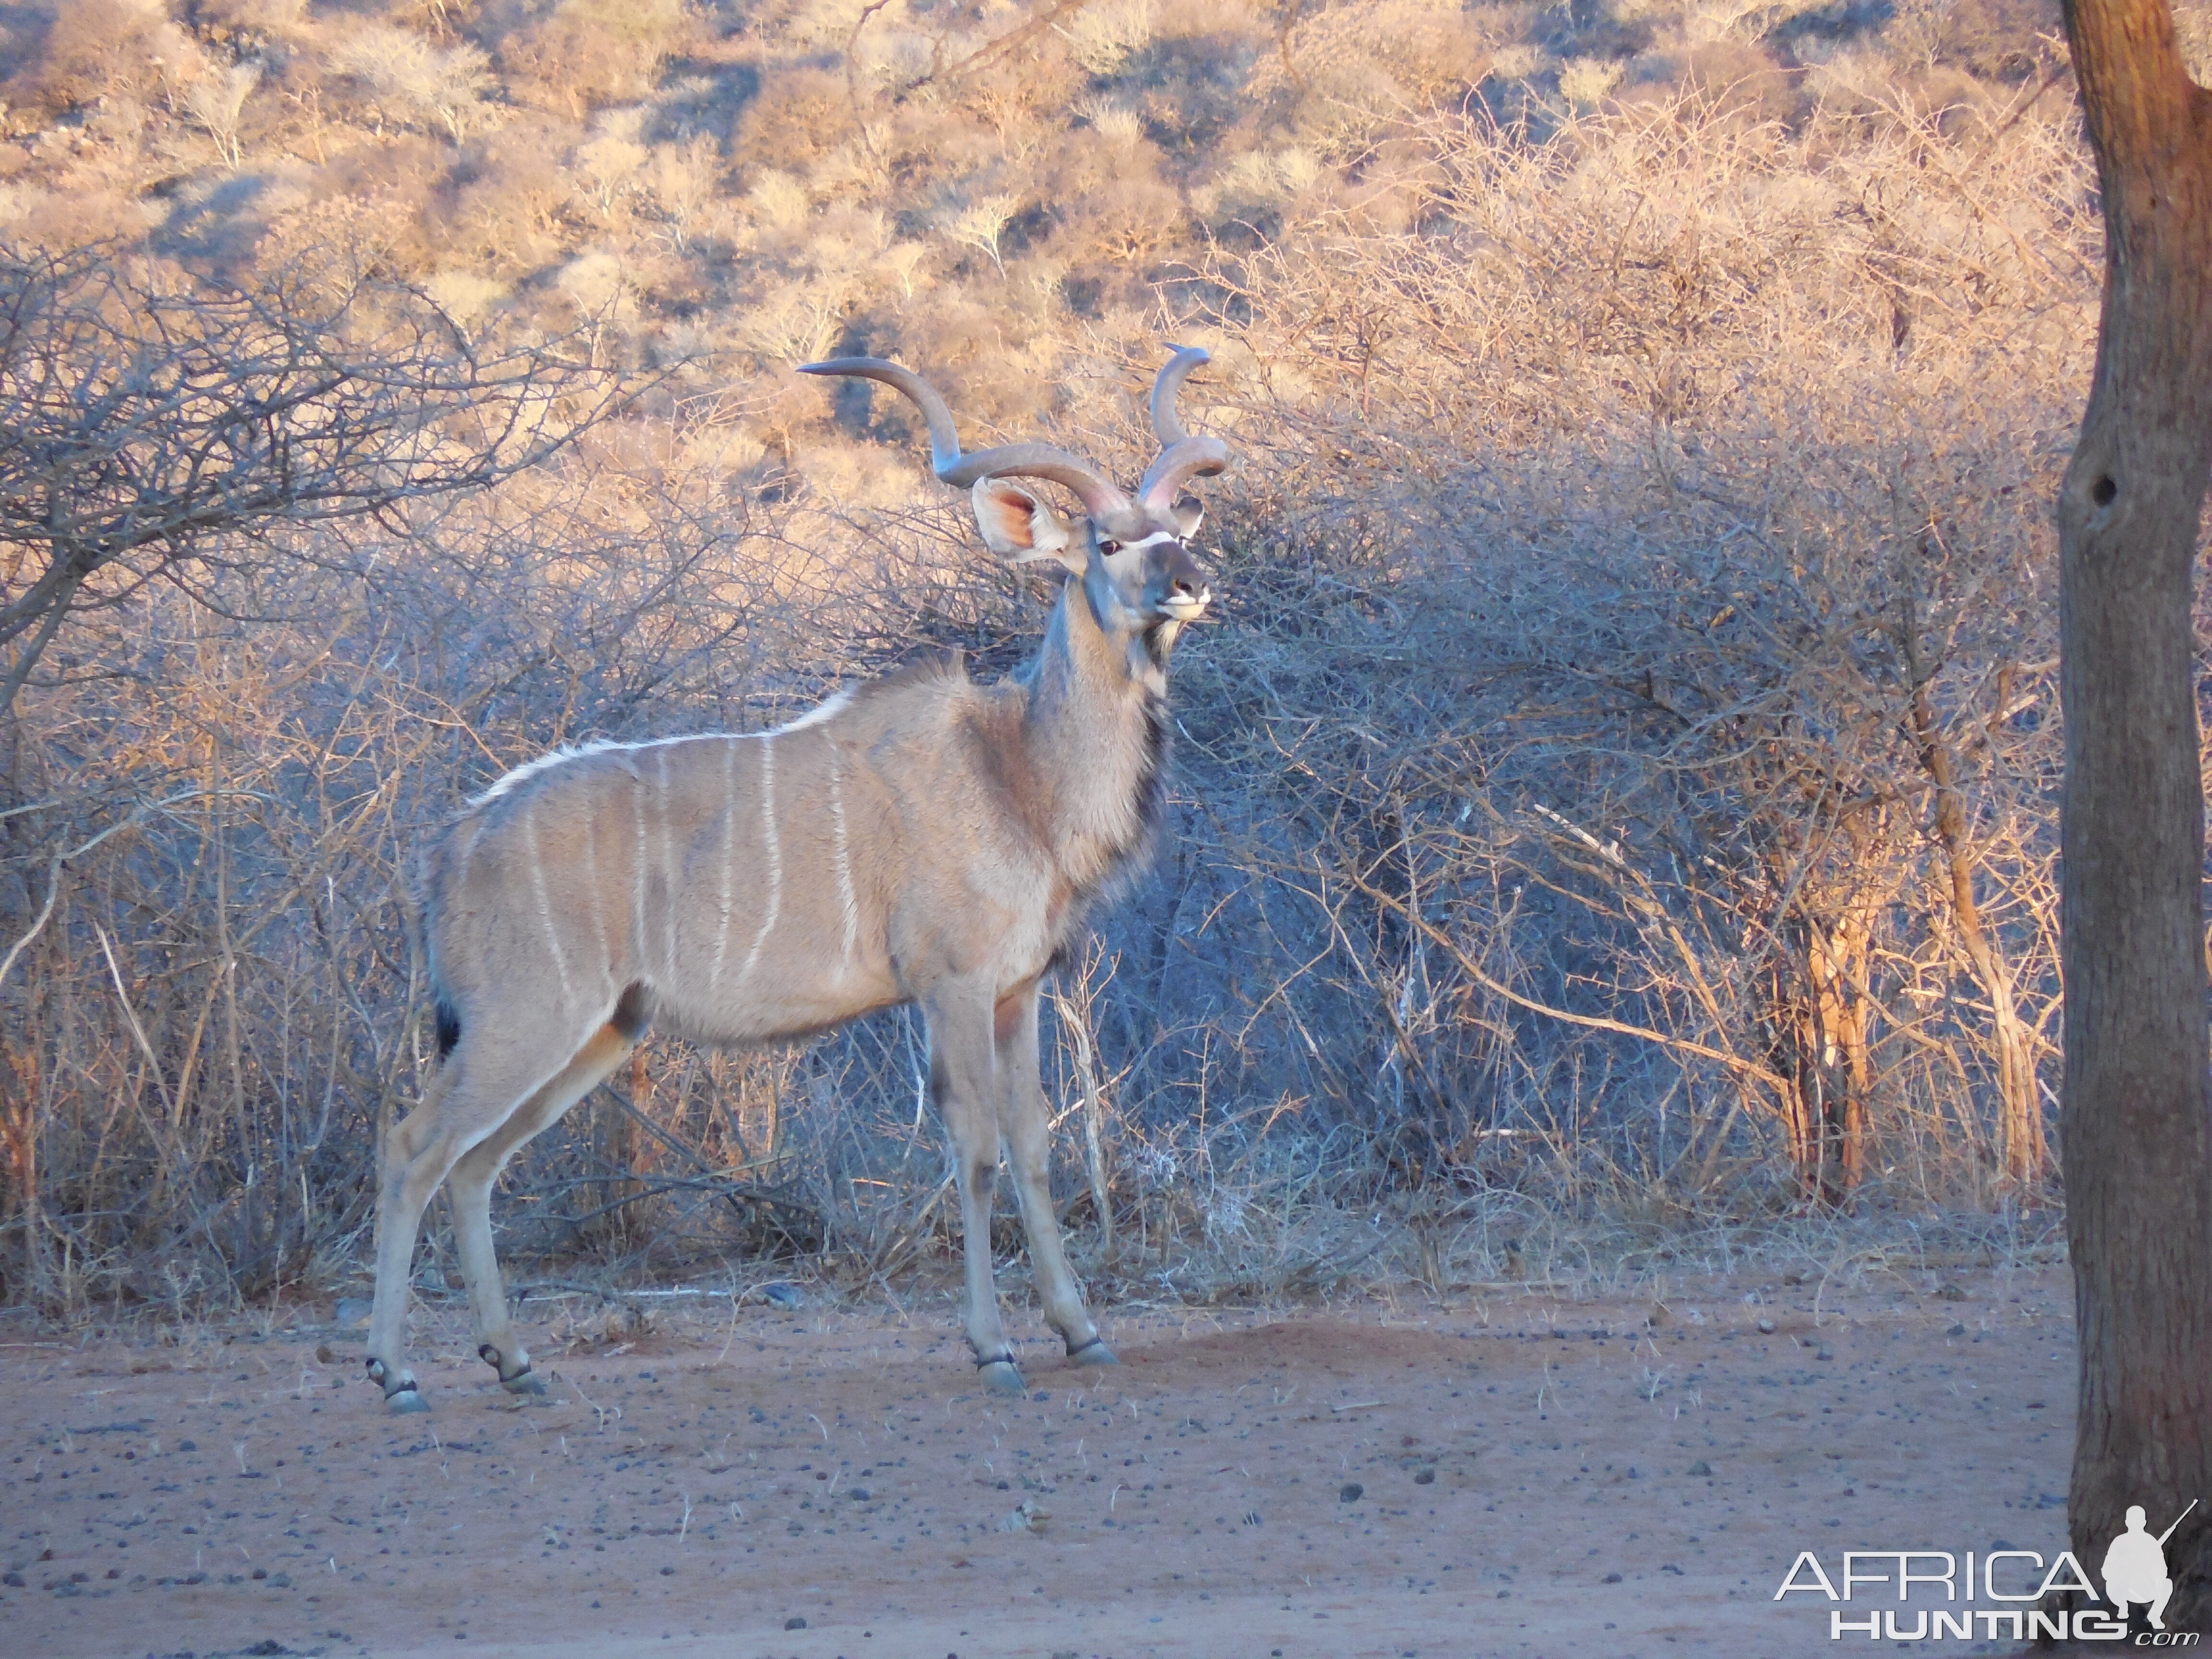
2136	1123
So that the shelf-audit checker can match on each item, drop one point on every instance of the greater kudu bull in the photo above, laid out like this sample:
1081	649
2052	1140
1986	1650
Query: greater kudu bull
920	838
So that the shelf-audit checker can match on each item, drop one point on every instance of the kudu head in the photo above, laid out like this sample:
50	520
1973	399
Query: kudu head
1132	554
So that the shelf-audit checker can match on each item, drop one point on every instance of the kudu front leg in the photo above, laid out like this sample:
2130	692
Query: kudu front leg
963	1085
469	1190
1025	1123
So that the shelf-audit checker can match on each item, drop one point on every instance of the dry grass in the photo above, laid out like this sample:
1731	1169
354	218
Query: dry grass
1645	427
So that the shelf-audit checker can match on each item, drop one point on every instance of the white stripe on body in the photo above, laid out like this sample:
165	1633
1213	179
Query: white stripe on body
670	875
514	778
817	715
599	901
545	907
846	898
775	855
637	872
729	856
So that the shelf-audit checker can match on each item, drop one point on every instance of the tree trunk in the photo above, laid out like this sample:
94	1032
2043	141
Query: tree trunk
1839	967
2136	1123
18	1155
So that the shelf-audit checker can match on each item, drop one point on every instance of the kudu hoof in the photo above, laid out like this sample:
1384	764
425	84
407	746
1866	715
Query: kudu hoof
1094	1353
1003	1377
401	1397
523	1382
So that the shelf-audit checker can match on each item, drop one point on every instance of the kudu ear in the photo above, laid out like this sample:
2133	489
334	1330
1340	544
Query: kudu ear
1019	526
1189	513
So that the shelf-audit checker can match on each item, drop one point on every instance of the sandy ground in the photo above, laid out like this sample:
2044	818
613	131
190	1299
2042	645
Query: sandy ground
1509	1474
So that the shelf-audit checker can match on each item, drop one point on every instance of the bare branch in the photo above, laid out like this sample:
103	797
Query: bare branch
148	419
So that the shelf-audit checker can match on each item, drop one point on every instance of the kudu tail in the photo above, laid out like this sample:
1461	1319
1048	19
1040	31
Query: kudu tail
449	1021
423	926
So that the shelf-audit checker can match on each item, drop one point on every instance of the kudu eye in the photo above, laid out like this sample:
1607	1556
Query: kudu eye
1109	547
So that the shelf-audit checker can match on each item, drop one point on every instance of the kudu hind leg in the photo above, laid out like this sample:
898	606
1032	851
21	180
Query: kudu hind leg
414	1159
468	1189
477	1089
1025	1123
961	1084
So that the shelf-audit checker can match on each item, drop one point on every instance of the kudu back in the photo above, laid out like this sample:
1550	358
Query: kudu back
920	838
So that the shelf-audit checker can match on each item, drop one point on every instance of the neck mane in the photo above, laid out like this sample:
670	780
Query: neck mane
1096	726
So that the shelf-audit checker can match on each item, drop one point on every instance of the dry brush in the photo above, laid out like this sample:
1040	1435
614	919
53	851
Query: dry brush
1619	787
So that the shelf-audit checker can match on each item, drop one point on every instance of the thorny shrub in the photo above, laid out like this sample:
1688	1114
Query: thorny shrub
1618	782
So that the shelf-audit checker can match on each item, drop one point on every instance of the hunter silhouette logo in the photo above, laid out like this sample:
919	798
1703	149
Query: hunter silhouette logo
2134	1567
2023	1586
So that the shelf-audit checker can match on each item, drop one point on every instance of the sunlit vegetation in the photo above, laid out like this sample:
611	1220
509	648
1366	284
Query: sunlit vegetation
1619	785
